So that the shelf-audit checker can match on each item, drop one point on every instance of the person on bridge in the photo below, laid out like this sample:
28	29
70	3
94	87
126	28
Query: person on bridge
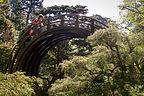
37	22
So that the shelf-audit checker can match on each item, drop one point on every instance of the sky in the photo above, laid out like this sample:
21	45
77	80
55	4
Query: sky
105	8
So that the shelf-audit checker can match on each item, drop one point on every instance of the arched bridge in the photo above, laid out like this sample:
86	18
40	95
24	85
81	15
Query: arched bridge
31	48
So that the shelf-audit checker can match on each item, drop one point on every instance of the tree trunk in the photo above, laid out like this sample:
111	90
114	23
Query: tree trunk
27	18
29	11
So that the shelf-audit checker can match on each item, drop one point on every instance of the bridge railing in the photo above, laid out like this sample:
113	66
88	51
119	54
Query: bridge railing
67	20
75	20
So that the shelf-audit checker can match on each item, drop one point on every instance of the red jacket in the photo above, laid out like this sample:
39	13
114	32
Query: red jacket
34	22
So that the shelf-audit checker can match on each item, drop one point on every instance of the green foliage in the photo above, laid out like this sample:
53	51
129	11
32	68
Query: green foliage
115	67
80	47
7	28
5	8
64	9
51	70
102	19
133	15
47	66
7	40
17	14
24	30
29	7
33	5
64	51
4	57
105	20
68	87
108	63
17	84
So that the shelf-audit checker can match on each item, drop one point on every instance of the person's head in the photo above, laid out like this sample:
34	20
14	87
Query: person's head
40	17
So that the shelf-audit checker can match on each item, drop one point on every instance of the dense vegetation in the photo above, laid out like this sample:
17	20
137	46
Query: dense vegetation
108	63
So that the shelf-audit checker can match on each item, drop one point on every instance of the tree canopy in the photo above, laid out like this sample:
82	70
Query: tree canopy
133	15
63	9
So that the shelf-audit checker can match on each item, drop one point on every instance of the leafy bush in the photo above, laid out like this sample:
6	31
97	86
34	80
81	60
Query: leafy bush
4	57
17	84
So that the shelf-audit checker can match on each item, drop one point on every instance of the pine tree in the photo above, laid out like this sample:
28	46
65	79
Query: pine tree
7	34
17	14
31	6
64	9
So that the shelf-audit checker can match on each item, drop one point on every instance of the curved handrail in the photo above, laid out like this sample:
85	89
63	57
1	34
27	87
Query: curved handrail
67	20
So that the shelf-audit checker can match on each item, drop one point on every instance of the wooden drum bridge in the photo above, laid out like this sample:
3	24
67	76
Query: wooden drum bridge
30	49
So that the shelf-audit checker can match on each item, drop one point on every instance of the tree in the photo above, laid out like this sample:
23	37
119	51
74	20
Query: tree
17	15
30	6
7	35
105	20
133	15
115	67
64	9
52	70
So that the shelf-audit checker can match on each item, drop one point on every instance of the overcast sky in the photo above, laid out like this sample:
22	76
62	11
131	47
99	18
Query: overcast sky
105	8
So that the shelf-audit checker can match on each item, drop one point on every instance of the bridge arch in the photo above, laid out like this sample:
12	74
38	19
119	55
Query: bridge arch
56	29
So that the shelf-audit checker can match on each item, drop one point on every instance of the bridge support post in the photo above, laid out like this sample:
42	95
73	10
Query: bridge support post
92	26
48	25
77	21
62	20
